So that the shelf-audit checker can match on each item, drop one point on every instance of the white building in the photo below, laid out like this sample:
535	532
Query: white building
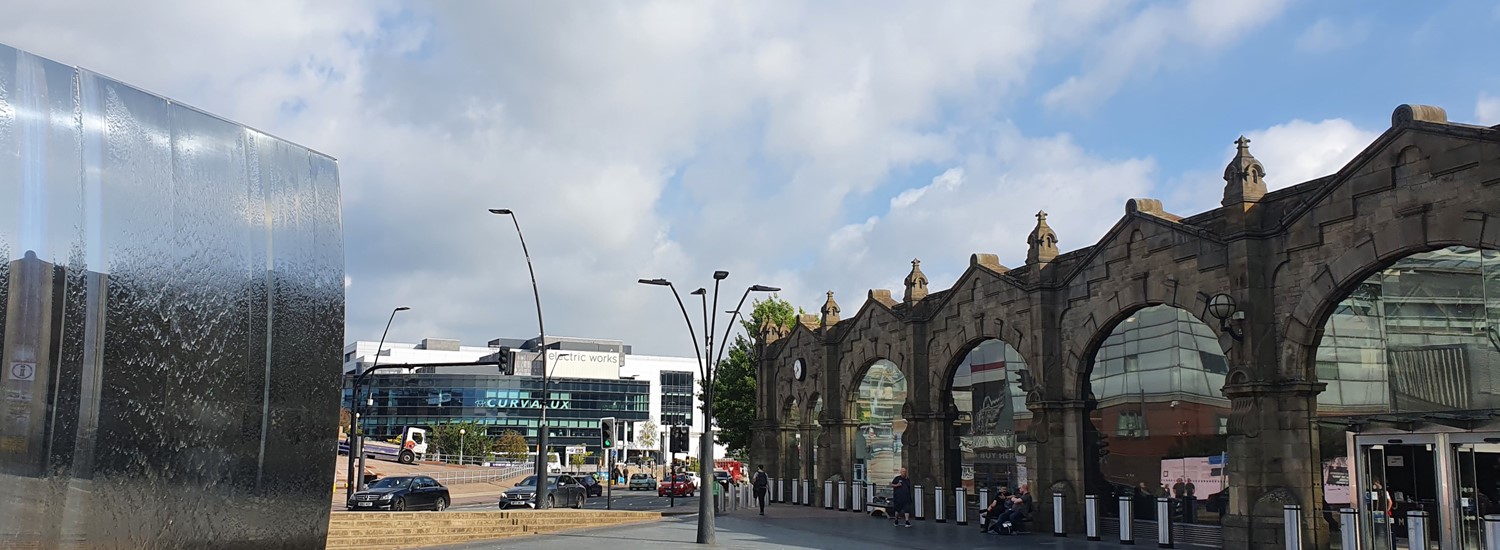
675	388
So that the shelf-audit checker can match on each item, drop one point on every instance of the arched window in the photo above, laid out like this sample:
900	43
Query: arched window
877	408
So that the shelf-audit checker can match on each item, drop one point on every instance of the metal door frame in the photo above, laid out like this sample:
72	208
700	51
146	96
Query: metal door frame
1445	474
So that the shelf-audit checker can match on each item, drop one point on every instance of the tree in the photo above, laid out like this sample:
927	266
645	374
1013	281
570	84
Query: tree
512	446
579	459
473	444
646	437
734	383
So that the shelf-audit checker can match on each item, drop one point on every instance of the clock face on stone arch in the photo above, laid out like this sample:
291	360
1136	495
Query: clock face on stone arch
799	370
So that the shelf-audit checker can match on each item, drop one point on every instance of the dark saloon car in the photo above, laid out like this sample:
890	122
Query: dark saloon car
562	490
402	493
591	485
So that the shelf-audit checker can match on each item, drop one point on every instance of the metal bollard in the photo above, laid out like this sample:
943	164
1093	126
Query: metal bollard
858	500
961	506
1163	522
921	512
1292	519
1416	529
870	496
937	505
984	502
1491	532
1091	516
807	498
843	496
1349	528
827	495
780	490
1058	529
1127	522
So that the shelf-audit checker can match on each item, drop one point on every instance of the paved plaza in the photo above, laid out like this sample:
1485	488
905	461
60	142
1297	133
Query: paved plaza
786	526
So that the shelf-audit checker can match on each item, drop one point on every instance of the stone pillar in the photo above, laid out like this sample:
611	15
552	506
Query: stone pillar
1273	461
838	459
1054	461
925	450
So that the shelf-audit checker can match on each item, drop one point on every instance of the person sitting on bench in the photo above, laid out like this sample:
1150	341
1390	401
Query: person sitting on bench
1020	510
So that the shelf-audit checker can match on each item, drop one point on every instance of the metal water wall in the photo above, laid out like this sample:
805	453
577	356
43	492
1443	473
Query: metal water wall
171	306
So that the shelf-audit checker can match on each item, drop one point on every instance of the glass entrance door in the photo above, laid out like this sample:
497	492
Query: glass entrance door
1398	475
1476	469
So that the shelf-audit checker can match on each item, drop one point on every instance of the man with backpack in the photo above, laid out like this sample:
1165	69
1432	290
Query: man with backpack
761	483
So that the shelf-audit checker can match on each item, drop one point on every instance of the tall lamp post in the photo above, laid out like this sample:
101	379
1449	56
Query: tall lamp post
706	371
541	447
354	402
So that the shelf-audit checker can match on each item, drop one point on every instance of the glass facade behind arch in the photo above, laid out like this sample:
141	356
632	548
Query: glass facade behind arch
1160	424
877	408
1417	337
992	417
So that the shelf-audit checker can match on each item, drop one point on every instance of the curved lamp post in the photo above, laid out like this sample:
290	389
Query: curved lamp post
706	373
355	402
541	448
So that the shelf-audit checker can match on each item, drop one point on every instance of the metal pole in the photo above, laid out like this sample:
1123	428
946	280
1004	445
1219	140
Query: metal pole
807	499
858	502
1416	529
1163	522
541	455
1127	522
917	499
984	503
1058	529
937	505
358	376
463	437
1349	528
827	495
609	490
960	506
1292	518
1091	516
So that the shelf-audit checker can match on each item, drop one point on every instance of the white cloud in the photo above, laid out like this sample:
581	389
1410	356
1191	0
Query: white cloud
1139	45
1327	35
947	181
650	139
1299	151
1487	109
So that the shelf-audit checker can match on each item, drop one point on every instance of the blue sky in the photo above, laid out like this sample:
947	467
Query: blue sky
811	146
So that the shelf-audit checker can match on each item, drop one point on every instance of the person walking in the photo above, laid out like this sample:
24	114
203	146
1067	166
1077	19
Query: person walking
761	483
901	499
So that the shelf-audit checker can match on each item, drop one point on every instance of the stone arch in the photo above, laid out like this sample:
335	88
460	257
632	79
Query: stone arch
1338	278
790	412
1099	332
814	407
851	391
983	420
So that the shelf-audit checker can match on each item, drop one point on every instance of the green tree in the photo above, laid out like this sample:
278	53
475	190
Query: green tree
512	446
472	442
579	459
646	436
734	383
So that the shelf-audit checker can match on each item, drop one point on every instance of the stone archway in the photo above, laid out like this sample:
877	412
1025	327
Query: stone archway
982	391
1157	422
878	404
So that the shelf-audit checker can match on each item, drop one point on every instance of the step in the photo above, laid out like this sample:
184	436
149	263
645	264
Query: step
421	530
375	543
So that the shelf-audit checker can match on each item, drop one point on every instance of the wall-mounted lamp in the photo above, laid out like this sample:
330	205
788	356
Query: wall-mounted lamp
1223	308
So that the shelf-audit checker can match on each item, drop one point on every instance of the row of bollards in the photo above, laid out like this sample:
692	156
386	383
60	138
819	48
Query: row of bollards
860	497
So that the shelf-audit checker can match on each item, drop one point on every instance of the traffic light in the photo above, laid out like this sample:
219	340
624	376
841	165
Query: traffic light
679	439
607	432
502	356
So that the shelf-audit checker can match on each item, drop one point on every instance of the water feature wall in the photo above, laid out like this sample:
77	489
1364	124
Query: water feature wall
172	287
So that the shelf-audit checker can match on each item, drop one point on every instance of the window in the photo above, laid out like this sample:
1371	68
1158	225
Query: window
1132	424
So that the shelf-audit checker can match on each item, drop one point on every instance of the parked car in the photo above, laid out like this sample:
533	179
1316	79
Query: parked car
678	485
562	490
402	493
591	485
645	482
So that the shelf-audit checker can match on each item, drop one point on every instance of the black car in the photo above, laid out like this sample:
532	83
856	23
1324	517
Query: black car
562	490
402	493
591	485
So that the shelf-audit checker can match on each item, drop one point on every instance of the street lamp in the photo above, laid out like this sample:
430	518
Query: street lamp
541	448
461	440
706	372
1222	307
354	403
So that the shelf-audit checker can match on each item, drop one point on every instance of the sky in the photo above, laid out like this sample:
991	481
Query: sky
812	146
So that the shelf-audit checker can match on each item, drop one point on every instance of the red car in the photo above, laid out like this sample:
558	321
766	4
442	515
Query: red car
678	485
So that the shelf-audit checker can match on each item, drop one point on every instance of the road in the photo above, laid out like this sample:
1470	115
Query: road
623	500
788	527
